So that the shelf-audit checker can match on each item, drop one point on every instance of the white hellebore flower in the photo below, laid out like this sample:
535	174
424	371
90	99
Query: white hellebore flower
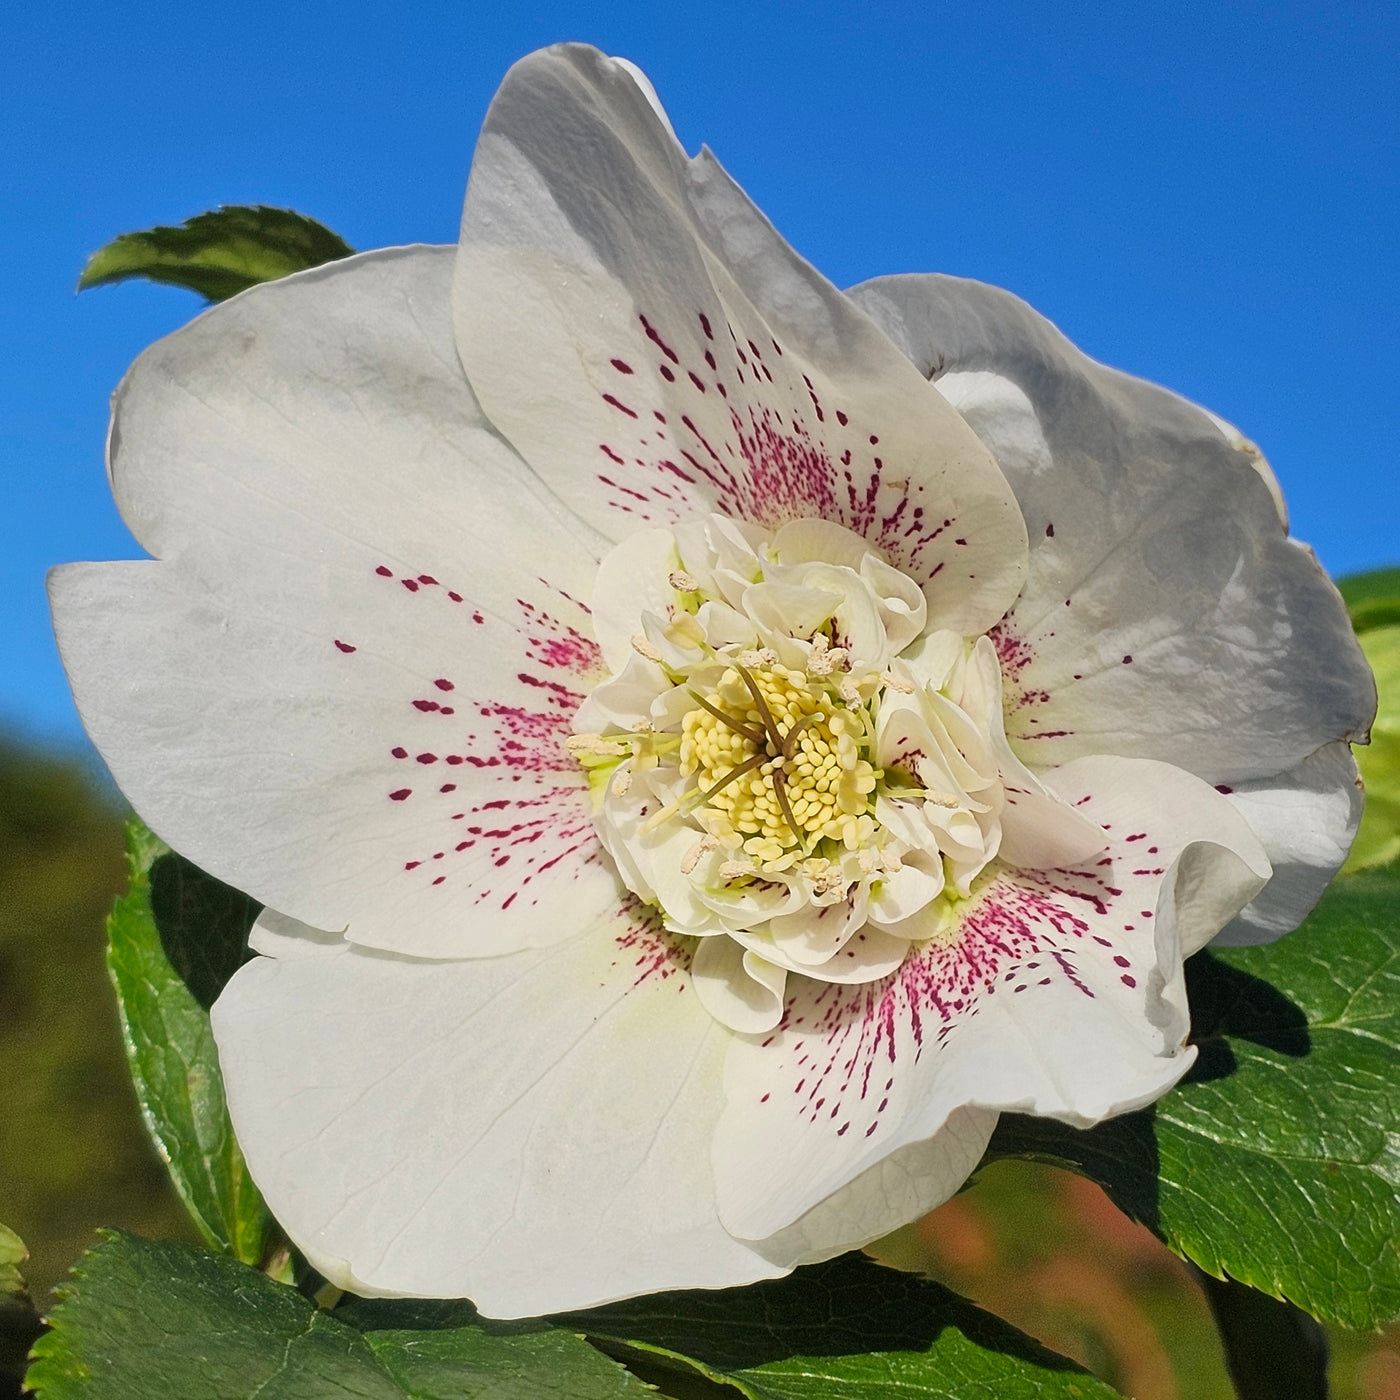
698	770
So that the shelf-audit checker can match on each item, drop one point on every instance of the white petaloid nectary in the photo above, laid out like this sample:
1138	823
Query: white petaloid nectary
706	742
790	765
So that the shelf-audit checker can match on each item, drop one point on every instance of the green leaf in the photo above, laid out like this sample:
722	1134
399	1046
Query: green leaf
1372	599
1378	840
847	1328
12	1255
1277	1159
152	1320
175	918
19	1323
220	253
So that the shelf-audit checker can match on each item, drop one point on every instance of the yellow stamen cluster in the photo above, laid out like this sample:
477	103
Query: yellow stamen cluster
777	762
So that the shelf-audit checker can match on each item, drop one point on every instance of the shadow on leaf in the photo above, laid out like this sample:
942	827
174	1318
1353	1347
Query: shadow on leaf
1227	1003
203	925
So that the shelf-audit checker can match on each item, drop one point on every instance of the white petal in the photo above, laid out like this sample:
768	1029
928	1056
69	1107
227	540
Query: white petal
631	580
1166	614
637	329
346	689
813	935
897	1189
1306	820
278	936
339	783
866	956
739	989
529	1131
902	894
1060	993
1038	829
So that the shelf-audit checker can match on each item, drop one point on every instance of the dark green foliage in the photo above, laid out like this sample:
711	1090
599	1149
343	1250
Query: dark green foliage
219	253
847	1328
174	916
146	1321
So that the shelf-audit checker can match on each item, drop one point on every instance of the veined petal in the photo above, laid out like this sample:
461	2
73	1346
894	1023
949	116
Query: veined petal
326	410
1305	819
347	687
420	1128
637	329
1166	614
353	754
1058	993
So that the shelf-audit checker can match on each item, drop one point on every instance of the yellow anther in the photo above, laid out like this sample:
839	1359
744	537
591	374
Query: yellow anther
775	757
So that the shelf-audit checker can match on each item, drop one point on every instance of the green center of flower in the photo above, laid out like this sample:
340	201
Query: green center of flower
779	763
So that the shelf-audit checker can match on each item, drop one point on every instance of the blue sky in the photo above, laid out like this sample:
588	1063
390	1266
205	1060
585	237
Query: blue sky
1204	194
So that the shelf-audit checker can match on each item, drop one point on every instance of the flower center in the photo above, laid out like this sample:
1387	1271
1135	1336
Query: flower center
786	761
779	763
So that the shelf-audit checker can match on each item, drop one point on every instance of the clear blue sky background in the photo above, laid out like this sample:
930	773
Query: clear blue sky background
1207	194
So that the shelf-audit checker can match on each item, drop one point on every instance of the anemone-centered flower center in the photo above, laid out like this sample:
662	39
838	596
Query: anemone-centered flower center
787	762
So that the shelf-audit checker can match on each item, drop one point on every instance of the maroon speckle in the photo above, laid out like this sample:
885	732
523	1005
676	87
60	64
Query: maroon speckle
344	646
622	367
428	579
1127	660
1128	981
399	752
400	795
384	572
410	583
1050	531
427	758
655	338
443	684
1224	788
619	405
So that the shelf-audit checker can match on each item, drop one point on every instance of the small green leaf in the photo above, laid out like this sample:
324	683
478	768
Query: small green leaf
1372	599
1277	1159
173	916
220	253
847	1328
12	1255
1378	840
151	1320
19	1323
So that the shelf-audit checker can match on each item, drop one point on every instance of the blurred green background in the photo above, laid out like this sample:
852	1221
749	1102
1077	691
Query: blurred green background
1044	1249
